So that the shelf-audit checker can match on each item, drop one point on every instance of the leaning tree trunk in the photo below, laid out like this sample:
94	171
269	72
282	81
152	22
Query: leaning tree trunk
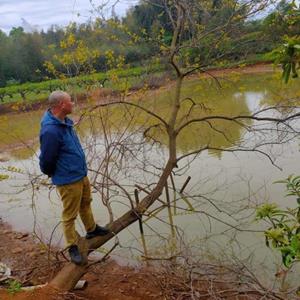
69	275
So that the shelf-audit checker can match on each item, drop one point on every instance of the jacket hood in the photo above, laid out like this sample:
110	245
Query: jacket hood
49	119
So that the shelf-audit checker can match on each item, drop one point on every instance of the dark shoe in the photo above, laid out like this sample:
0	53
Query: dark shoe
98	231
75	255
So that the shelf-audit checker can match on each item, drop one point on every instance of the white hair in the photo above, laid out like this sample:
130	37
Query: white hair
56	97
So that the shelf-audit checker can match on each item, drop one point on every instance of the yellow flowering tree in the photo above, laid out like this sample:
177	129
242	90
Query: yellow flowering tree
75	58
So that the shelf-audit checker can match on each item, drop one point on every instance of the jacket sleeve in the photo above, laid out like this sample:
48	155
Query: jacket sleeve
50	144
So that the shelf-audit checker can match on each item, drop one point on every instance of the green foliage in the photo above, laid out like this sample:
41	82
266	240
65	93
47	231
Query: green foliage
290	59
284	233
17	92
3	177
292	185
14	286
287	18
266	211
145	32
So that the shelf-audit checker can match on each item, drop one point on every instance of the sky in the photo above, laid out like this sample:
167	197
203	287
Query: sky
44	13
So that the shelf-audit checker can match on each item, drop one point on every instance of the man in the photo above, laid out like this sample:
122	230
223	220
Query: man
63	159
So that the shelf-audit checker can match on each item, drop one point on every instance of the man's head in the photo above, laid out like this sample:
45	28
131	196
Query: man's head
60	103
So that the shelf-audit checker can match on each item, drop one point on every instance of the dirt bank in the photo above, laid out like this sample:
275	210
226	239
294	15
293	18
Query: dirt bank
33	264
250	69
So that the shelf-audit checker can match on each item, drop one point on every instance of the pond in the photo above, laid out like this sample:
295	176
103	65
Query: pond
216	216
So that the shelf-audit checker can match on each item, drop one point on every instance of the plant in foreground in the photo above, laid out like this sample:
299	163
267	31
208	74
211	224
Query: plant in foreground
14	286
284	230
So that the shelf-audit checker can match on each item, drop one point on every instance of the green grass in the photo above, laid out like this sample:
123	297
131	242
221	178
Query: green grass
38	91
14	286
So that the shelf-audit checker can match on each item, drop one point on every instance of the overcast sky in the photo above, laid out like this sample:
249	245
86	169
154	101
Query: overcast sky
44	13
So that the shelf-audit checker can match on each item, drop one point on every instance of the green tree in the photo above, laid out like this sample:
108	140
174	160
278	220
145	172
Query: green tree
3	59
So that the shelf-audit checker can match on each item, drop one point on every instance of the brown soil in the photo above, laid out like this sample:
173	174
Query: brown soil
32	264
250	69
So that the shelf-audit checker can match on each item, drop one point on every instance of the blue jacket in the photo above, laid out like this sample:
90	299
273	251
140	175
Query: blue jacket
62	157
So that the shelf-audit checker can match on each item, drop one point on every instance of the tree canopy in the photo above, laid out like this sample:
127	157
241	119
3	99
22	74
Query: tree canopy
23	55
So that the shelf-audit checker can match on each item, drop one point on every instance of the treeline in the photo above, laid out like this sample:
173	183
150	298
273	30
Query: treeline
23	55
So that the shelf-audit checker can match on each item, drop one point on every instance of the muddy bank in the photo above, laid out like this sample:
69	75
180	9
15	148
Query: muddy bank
33	263
249	69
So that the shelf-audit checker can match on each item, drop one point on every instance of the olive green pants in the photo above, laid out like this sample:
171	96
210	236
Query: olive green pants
76	198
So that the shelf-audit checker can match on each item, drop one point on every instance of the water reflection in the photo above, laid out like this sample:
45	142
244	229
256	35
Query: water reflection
236	95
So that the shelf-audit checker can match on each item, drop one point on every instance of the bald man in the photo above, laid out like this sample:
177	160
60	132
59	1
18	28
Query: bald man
63	159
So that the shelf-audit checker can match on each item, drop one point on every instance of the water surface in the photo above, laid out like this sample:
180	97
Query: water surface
224	190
